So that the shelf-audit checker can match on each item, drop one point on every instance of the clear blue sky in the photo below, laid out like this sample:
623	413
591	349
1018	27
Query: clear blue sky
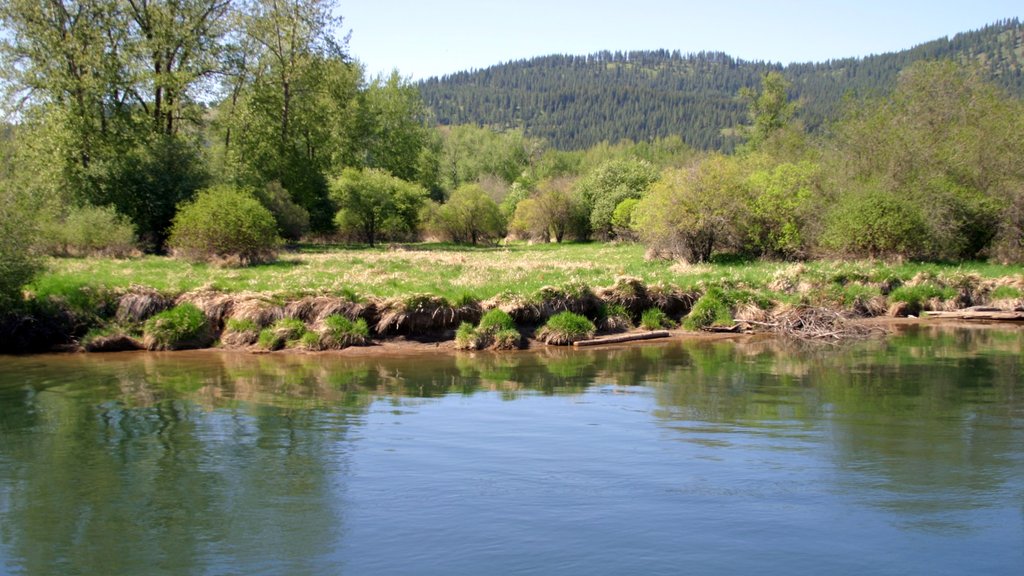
424	38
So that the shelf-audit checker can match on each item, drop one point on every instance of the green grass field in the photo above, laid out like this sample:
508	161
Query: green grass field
458	271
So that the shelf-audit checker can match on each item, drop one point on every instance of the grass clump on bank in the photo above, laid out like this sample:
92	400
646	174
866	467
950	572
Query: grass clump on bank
286	332
655	319
182	327
339	332
714	308
565	328
496	330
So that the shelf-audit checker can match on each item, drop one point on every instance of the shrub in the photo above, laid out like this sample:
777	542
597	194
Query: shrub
310	341
18	262
225	224
565	328
340	332
179	328
655	319
712	309
89	230
875	223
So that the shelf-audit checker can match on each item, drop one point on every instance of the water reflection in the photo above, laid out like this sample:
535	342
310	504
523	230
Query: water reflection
221	463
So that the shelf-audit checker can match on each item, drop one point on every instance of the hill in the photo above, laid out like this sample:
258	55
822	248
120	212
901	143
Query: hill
577	101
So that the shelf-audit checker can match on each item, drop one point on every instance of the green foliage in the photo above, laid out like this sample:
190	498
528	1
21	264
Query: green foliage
714	308
613	317
876	224
292	220
373	205
470	153
88	231
693	211
783	204
468	217
655	319
622	218
241	325
496	329
769	110
603	189
1006	293
565	328
181	327
286	332
942	144
552	212
225	224
606	97
18	262
340	332
919	294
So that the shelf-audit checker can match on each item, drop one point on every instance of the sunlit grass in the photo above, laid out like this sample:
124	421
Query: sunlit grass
457	271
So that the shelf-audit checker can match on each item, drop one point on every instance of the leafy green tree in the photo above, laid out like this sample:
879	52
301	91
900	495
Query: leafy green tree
395	135
374	204
769	109
292	219
470	216
470	153
609	184
945	141
692	212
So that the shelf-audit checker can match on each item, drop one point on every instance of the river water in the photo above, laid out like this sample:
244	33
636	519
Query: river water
895	456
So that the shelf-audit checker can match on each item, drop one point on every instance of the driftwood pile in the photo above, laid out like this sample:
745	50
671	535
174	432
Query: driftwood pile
811	323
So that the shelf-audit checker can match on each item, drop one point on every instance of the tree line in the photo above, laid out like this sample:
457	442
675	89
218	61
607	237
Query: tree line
217	129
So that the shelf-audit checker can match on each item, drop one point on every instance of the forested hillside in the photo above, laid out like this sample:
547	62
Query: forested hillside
575	102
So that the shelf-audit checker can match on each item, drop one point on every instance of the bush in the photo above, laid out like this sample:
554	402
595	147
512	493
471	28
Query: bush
89	230
179	328
18	263
875	223
565	328
712	309
655	319
225	224
340	332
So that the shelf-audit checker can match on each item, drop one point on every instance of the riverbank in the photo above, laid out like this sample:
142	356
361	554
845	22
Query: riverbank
99	319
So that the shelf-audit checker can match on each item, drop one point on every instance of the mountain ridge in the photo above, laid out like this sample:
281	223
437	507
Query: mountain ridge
577	101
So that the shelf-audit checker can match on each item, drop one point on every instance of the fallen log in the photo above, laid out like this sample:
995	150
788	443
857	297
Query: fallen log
979	314
624	338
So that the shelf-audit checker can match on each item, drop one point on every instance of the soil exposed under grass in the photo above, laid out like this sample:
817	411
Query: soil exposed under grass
423	292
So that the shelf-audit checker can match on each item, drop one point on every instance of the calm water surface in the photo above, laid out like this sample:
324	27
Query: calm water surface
903	456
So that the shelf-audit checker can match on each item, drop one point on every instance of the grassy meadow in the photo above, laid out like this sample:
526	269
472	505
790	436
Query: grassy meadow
456	272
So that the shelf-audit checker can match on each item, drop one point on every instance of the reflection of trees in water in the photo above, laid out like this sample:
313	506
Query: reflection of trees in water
923	417
156	482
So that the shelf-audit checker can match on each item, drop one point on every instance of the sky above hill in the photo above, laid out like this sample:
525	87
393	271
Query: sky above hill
423	38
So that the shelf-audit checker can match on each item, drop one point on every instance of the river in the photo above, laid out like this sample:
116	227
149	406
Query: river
902	455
